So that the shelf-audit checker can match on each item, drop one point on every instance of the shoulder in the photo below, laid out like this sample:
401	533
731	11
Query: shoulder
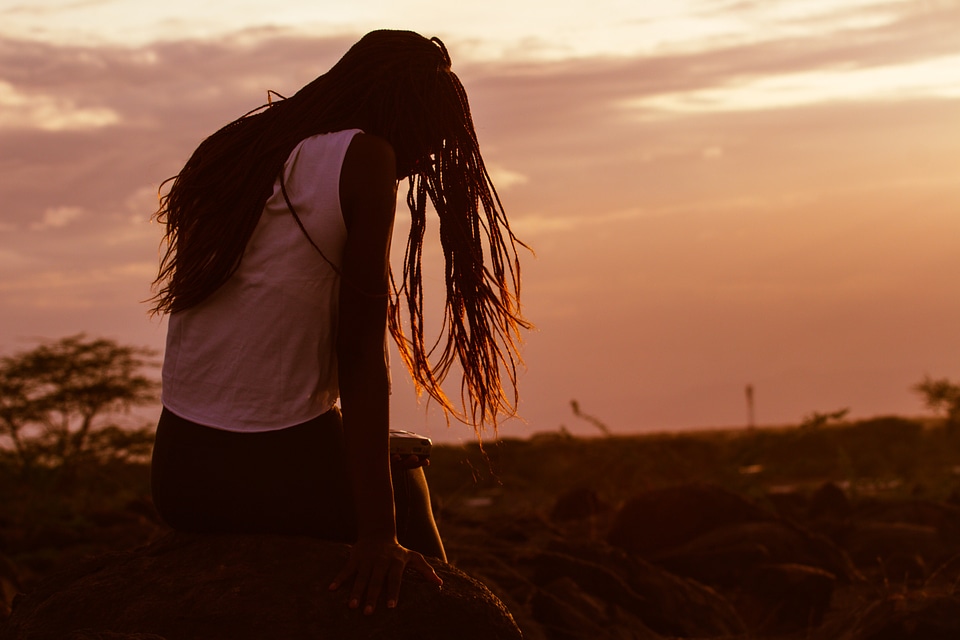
369	157
368	177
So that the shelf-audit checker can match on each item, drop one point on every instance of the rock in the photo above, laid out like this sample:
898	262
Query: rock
519	609
903	539
789	598
921	615
944	517
791	504
109	635
245	587
716	566
669	517
10	584
665	603
829	502
578	504
954	498
900	549
724	556
569	613
518	528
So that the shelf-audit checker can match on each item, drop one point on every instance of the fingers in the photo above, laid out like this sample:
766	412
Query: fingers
360	583
361	574
382	573
411	461
403	461
348	570
393	586
374	586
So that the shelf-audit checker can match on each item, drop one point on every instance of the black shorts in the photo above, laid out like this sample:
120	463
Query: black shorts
289	481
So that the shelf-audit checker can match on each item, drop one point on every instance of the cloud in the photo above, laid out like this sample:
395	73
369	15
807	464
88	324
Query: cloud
21	110
39	9
915	51
542	120
84	287
537	29
934	78
57	217
548	129
504	178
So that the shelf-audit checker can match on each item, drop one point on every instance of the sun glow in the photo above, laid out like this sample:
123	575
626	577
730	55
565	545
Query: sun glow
496	29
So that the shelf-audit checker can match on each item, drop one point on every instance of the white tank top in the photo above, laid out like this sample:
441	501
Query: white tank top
260	353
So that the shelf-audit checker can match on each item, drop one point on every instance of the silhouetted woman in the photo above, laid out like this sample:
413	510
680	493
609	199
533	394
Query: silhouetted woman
277	283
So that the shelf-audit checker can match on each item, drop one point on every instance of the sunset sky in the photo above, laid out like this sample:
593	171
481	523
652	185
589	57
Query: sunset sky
718	192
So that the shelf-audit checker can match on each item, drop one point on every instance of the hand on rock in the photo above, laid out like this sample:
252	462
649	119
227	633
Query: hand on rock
376	566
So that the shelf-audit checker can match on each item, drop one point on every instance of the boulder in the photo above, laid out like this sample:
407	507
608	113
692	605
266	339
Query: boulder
569	613
578	504
669	517
665	603
902	550
244	586
829	502
10	584
923	615
942	516
725	555
790	503
788	598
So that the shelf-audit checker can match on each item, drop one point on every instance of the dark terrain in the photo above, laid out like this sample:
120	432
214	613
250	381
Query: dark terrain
849	531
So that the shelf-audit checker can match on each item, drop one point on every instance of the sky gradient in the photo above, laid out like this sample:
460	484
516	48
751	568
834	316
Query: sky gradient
719	193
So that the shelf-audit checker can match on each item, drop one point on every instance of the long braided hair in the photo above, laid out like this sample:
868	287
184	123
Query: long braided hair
397	85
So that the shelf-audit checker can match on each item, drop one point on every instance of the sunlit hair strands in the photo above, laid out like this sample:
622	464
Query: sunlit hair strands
397	85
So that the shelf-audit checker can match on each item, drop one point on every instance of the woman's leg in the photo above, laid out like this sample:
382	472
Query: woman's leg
287	481
416	528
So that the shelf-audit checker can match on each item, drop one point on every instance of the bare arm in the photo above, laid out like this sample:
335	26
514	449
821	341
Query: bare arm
368	199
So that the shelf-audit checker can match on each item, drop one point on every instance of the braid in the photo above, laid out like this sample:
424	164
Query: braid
482	320
399	86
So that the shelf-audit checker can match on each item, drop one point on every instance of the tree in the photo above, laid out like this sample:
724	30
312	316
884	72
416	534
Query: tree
55	399
943	397
816	419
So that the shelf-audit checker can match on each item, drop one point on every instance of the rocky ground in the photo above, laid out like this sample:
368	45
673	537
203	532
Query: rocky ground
644	547
697	561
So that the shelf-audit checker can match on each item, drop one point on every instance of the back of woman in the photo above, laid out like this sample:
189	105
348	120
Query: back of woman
277	280
260	352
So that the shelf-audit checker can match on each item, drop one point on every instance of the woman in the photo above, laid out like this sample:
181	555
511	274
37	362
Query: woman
277	283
